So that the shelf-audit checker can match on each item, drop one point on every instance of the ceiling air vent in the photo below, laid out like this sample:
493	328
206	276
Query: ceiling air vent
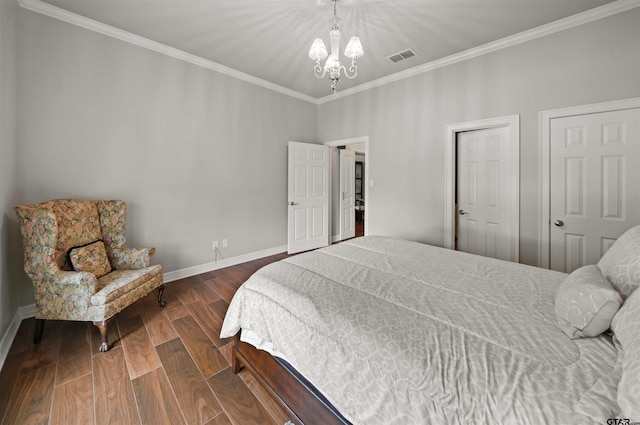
398	57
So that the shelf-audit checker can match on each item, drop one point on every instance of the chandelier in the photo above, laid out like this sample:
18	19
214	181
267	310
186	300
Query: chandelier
318	52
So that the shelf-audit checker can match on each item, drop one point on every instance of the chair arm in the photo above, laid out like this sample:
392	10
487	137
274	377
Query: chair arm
64	294
62	277
131	258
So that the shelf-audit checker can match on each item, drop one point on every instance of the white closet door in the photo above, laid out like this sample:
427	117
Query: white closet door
594	184
483	190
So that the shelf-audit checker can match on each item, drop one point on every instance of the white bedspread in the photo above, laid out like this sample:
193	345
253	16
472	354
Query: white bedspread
396	332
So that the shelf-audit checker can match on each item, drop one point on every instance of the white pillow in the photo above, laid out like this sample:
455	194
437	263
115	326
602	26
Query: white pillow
586	303
626	327
621	263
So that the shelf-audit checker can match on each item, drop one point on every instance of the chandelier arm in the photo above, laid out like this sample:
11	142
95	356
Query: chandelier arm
318	71
353	69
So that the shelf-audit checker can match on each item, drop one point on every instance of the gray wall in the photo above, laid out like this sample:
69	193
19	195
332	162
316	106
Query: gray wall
10	244
200	156
406	120
196	155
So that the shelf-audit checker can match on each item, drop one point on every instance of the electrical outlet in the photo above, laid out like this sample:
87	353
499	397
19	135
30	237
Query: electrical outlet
214	245
225	243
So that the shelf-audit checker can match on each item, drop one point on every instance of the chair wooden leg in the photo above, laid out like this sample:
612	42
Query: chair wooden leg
161	302
39	330
103	326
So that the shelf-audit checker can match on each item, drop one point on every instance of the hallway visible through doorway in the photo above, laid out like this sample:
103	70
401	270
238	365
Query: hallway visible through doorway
360	227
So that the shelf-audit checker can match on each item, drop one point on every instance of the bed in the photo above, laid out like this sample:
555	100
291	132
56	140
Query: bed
387	331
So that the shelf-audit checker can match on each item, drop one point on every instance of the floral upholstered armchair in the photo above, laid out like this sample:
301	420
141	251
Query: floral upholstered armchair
75	255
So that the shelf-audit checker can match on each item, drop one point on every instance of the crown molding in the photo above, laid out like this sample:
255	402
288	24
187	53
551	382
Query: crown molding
55	12
585	17
595	14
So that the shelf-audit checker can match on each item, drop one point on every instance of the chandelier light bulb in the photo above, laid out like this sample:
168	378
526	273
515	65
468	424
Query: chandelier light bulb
354	48
318	50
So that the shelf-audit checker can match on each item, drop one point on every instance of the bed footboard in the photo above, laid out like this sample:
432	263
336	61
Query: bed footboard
287	390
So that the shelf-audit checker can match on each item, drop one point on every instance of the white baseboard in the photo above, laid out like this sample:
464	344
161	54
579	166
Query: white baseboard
28	311
220	264
22	313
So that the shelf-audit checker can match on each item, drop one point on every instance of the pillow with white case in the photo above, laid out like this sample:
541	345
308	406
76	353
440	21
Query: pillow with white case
621	263
626	328
585	303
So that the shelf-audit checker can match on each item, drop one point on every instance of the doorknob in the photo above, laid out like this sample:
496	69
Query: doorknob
559	223
462	212
293	203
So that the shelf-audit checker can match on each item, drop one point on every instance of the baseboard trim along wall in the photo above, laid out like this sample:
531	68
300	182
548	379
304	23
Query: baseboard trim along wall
28	311
22	313
222	263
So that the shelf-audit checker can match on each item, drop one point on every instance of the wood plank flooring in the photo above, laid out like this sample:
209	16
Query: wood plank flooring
167	366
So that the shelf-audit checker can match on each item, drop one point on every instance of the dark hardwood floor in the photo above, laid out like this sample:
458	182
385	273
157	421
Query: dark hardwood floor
167	366
359	228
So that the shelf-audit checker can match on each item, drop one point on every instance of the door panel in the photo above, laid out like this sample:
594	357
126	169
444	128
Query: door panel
575	250
308	205
594	177
483	192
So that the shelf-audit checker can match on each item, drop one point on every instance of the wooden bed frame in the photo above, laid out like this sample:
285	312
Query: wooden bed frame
286	389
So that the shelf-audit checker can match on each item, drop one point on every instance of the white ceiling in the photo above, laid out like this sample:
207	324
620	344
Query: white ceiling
270	40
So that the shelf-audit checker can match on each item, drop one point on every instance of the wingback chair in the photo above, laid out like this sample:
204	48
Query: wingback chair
75	255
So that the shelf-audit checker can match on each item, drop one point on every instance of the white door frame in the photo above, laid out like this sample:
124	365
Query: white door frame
544	118
513	123
367	161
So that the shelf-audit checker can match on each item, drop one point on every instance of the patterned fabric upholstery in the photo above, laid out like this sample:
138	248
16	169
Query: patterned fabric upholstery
78	225
91	258
51	229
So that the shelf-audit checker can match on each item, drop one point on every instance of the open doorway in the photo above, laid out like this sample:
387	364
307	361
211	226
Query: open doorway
342	217
360	191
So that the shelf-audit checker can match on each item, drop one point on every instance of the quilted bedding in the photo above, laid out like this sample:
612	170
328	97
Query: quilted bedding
397	332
